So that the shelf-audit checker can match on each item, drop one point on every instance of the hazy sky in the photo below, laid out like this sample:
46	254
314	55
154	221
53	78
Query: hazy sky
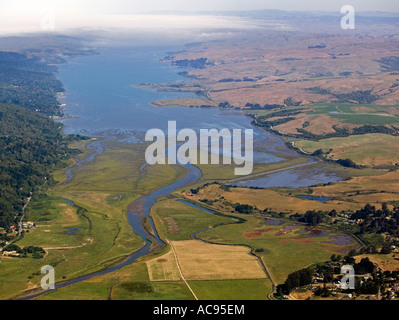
210	5
31	15
137	6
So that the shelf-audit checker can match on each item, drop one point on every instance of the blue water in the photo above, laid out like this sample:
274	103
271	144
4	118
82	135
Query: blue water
72	230
100	93
292	178
102	99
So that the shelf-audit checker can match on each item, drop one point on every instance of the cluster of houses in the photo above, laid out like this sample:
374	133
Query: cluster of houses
345	218
26	226
390	287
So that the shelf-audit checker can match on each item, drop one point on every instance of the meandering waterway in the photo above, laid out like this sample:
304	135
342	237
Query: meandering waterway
103	103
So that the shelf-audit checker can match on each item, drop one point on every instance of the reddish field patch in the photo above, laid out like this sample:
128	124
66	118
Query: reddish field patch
253	235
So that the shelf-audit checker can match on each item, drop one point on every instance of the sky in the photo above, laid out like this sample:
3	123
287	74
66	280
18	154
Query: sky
139	6
33	15
234	5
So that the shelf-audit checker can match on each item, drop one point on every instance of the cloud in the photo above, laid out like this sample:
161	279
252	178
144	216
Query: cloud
27	15
50	18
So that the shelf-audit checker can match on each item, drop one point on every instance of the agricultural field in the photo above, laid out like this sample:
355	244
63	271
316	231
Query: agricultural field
230	270
252	289
372	150
128	283
143	279
205	261
284	246
163	268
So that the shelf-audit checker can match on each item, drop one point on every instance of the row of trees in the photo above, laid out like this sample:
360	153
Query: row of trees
370	219
37	252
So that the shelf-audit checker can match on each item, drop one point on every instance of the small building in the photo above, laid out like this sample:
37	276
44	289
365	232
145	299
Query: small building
11	253
28	225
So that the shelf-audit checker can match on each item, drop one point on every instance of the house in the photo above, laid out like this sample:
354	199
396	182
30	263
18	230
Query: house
10	253
28	225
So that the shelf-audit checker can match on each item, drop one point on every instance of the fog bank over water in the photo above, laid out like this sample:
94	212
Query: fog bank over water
160	25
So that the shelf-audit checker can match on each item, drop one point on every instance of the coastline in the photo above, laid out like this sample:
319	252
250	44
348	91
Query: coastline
184	102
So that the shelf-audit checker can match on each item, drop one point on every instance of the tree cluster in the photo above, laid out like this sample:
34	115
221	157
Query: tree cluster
294	280
29	83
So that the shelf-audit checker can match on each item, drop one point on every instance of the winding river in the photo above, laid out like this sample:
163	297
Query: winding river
142	208
104	104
